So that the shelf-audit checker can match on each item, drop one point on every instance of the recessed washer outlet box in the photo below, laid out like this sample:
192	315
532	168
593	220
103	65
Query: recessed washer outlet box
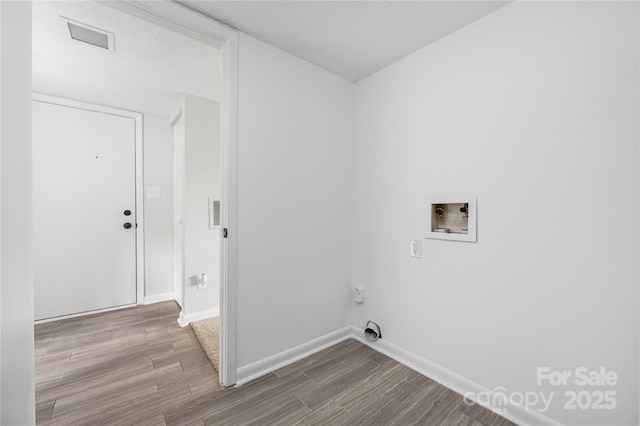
451	218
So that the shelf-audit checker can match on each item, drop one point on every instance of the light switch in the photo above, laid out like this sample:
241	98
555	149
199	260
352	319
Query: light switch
153	192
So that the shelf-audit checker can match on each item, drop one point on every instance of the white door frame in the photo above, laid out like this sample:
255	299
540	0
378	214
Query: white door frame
179	18
178	206
138	118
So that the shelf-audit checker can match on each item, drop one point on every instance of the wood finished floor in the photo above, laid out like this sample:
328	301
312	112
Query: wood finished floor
137	366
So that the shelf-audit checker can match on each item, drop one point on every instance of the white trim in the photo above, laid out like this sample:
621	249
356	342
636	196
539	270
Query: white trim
75	103
176	117
31	377
229	213
257	369
518	414
181	321
82	314
185	320
138	119
157	298
448	378
178	182
181	18
177	17
140	282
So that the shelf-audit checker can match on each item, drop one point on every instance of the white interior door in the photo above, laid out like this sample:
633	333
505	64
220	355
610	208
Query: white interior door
83	186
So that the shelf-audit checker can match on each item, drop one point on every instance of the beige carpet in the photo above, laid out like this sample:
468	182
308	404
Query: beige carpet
208	331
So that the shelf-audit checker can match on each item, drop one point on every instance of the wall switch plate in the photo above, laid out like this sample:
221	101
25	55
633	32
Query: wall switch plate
202	281
415	248
153	192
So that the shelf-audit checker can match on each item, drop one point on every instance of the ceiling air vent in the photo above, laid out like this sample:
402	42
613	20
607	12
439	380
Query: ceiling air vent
91	35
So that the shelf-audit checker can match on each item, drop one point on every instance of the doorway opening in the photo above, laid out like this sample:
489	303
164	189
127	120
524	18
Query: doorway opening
55	73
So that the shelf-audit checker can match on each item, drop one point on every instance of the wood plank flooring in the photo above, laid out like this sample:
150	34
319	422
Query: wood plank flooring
137	366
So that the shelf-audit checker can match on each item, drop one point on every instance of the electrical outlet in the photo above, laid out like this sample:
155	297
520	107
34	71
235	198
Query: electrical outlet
415	248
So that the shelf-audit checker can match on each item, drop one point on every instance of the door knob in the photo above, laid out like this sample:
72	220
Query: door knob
127	225
127	212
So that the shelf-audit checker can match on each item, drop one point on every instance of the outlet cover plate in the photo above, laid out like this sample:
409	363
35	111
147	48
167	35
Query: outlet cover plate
415	248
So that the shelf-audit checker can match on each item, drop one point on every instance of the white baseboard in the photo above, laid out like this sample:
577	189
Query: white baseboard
185	320
265	366
82	314
157	298
517	414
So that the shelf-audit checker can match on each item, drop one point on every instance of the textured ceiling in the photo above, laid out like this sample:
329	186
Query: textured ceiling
148	72
350	38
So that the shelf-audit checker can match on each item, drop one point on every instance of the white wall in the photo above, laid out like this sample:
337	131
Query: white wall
158	213
17	389
515	98
202	180
534	109
295	163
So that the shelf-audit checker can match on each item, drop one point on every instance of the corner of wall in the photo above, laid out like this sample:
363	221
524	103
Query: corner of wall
17	376
468	389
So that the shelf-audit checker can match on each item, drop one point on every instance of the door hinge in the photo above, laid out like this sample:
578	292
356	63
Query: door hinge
224	233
